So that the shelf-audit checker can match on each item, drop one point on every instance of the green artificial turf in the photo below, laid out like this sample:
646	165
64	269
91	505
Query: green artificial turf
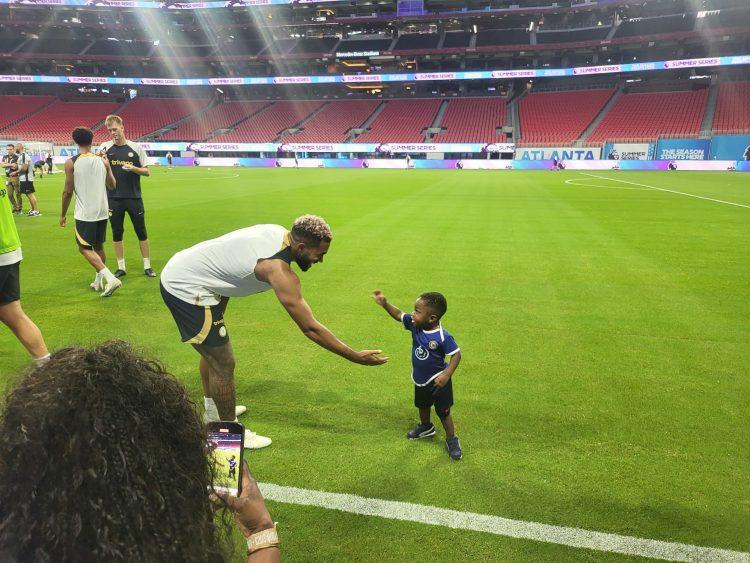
605	335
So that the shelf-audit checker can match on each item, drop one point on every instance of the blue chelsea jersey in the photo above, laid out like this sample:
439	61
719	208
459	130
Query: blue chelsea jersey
429	348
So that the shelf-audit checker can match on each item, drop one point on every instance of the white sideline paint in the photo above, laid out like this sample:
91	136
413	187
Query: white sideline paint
670	191
573	537
576	182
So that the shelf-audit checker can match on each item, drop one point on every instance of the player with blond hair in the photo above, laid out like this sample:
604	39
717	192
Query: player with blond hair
129	162
196	285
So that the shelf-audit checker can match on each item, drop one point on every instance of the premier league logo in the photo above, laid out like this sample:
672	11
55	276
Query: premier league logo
421	353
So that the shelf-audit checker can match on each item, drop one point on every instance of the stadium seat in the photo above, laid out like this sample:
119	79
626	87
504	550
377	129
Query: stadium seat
472	120
401	121
559	117
55	122
733	108
18	107
267	125
333	122
648	116
222	116
146	115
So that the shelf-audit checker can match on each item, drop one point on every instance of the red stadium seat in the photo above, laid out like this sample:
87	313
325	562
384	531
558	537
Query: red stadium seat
55	122
18	107
472	120
401	121
222	116
333	122
266	126
648	116
142	116
733	108
559	118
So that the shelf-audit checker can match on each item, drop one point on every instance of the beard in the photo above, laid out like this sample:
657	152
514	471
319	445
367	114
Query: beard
304	263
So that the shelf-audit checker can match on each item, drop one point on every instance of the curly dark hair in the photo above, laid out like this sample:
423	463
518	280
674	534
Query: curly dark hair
436	302
103	458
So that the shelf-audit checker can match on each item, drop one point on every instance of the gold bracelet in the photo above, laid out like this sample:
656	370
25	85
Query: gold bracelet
262	540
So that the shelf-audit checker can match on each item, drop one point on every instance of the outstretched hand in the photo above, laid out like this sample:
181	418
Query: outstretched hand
379	298
371	358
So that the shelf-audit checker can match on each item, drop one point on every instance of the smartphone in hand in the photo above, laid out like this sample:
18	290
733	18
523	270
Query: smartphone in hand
225	447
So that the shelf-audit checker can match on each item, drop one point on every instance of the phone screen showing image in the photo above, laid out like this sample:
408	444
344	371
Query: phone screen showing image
225	448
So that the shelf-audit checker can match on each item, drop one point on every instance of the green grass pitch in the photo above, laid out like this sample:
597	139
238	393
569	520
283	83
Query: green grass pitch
605	332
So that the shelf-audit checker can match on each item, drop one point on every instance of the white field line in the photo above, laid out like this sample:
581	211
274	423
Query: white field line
573	537
670	191
575	182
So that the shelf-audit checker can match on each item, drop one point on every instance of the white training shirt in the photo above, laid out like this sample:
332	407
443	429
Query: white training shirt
27	176
89	181
224	266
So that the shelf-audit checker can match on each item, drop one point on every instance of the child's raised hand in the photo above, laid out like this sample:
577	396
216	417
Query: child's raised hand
379	298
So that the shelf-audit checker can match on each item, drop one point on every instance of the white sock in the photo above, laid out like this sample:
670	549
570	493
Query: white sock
106	274
146	263
41	360
121	264
98	278
212	413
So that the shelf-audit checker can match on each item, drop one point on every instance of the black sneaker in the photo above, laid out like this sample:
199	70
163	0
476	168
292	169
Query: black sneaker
119	273
149	272
421	431
454	448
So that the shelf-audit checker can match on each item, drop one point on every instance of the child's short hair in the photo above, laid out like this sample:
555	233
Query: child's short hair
435	301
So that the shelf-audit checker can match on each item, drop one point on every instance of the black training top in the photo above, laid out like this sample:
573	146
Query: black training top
127	183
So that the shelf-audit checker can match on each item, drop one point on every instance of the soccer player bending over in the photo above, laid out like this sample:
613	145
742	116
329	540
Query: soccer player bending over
90	176
197	283
430	373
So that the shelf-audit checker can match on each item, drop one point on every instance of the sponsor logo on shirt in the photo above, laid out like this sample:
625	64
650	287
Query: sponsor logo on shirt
421	353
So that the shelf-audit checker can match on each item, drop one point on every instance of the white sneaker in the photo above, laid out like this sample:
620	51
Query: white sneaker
96	285
111	287
255	442
240	410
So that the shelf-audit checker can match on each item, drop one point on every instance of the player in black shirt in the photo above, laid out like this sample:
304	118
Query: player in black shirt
129	162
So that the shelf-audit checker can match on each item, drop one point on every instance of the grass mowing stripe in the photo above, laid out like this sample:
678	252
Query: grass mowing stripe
670	191
561	535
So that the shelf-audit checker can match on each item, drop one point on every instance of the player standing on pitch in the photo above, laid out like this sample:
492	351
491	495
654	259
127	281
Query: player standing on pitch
90	176
129	162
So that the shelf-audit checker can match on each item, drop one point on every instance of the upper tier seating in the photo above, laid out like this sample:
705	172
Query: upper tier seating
503	37
653	26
